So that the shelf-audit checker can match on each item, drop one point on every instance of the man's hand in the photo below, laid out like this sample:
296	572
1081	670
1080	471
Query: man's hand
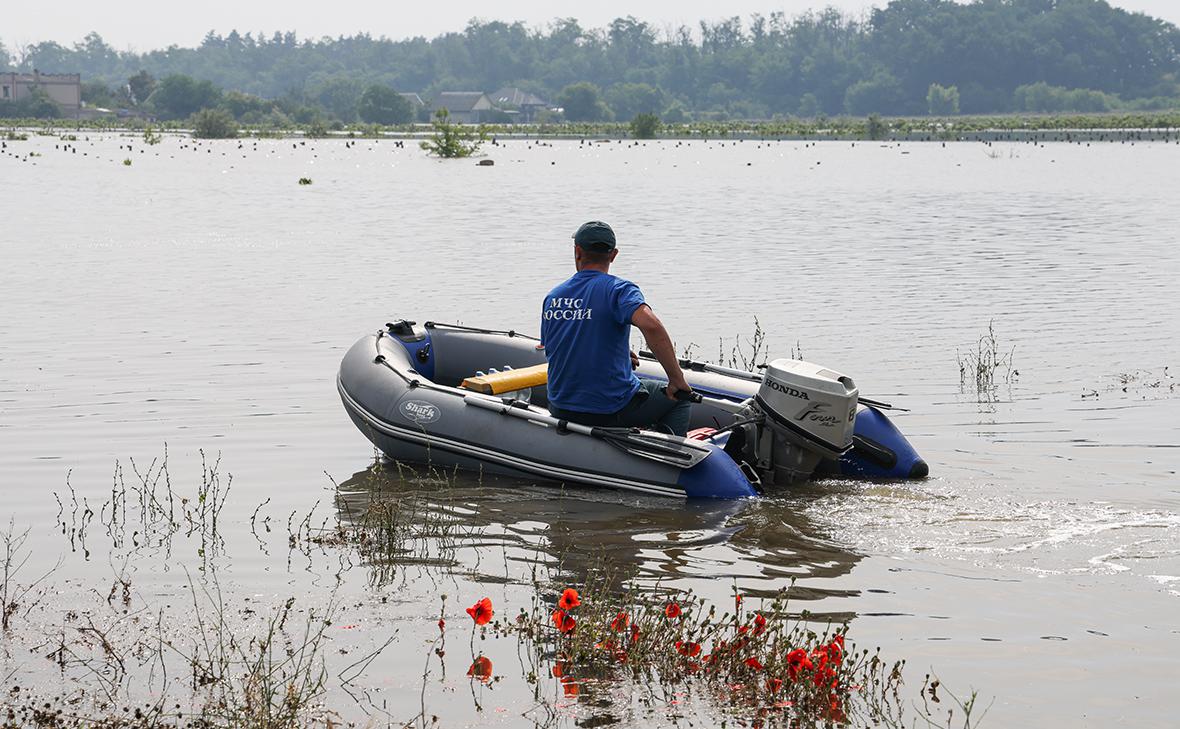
675	387
634	360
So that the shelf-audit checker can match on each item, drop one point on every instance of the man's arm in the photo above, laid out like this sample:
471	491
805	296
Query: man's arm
661	346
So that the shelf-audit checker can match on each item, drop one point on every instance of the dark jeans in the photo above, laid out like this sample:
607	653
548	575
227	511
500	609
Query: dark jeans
650	408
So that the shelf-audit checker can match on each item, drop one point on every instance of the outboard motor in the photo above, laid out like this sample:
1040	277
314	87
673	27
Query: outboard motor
802	413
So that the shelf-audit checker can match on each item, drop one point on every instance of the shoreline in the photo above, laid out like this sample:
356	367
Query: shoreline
1163	126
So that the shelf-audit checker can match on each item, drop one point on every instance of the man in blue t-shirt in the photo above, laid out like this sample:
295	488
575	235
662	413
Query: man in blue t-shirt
586	333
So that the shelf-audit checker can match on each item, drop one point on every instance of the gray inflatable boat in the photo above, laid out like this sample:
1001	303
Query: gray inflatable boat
421	394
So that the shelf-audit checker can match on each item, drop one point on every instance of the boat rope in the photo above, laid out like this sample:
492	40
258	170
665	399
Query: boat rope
380	359
478	330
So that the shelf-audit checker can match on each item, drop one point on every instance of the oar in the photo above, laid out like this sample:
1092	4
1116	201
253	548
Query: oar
667	449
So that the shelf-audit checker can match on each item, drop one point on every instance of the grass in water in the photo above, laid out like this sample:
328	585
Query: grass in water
983	369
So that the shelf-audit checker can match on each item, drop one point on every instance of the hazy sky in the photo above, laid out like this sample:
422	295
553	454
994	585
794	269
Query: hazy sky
142	25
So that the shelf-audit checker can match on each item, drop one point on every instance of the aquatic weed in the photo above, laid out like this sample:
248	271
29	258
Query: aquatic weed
986	367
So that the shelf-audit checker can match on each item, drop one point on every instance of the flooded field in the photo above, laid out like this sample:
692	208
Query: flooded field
190	309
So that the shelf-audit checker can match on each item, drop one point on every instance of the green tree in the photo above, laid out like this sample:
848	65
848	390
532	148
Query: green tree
675	113
882	92
452	140
876	127
141	86
1041	97
382	105
246	106
645	126
809	106
339	95
817	62
214	124
628	99
37	105
96	93
942	100
179	96
582	102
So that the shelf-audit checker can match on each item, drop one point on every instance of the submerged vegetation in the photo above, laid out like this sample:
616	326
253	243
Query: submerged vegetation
123	659
1079	129
645	126
983	369
214	124
451	140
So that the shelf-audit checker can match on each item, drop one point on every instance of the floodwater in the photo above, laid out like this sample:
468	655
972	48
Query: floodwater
199	299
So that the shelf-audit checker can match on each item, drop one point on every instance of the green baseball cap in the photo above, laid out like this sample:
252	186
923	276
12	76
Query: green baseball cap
595	236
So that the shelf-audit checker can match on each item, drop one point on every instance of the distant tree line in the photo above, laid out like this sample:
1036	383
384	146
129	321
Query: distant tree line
910	57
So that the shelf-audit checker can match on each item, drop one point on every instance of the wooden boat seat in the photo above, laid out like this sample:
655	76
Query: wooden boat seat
508	380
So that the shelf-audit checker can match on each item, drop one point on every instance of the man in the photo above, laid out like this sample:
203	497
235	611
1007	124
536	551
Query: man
585	331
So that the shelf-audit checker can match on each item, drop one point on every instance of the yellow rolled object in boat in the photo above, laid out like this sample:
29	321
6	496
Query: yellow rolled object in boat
508	381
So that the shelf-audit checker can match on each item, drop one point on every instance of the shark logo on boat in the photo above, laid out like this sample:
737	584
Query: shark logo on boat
419	412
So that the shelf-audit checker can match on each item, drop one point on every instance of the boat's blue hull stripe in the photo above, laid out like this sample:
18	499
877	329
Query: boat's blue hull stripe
473	450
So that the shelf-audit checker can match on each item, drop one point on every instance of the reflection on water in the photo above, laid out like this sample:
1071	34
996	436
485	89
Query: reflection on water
218	318
415	518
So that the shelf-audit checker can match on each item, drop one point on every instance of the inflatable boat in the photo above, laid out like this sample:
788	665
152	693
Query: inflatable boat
462	397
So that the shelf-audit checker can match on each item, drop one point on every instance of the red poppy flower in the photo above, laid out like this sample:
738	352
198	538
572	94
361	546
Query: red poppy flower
619	624
634	632
825	677
442	625
569	599
481	612
672	610
836	649
558	669
773	685
569	686
797	660
754	663
692	650
481	669
563	621
759	624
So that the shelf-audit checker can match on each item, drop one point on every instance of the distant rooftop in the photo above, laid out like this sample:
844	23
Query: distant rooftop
462	101
413	98
513	96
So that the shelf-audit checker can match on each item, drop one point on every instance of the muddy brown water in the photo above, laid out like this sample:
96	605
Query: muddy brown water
200	299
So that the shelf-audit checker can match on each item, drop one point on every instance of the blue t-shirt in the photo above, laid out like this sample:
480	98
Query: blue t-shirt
586	330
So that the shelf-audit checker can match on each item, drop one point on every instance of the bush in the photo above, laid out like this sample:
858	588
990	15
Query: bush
214	124
942	100
645	126
316	129
1041	97
876	127
451	140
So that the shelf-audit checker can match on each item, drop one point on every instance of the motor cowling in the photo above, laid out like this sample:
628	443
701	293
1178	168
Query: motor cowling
809	406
